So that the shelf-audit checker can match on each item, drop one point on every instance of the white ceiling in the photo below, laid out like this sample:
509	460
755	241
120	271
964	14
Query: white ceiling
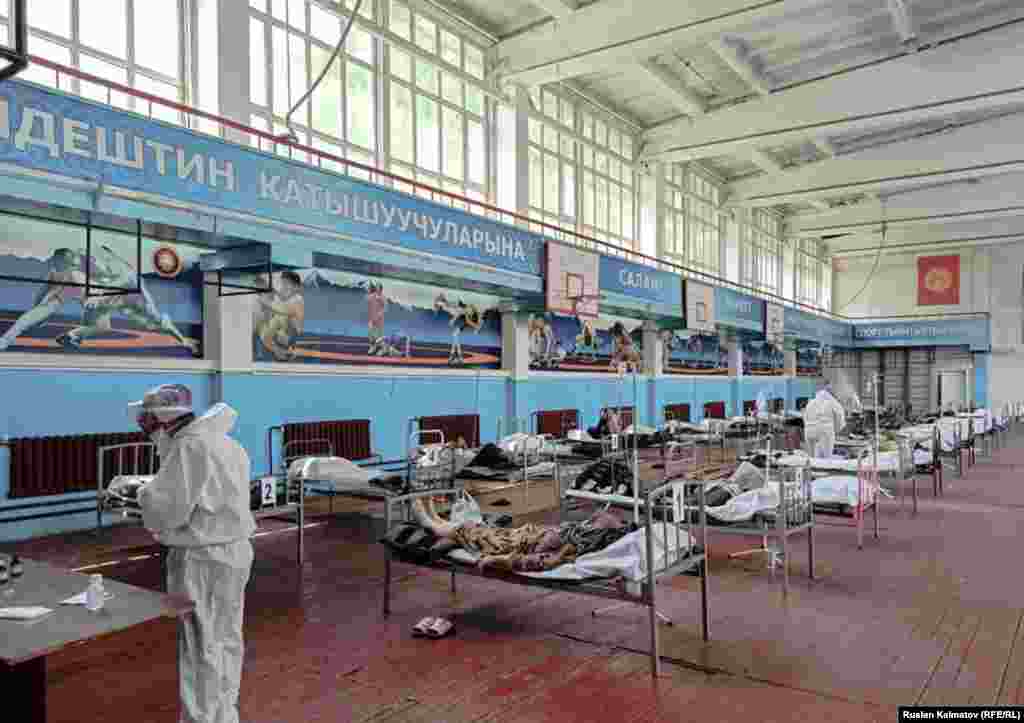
815	107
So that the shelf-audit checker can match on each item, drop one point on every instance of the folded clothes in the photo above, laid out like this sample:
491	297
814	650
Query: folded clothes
606	477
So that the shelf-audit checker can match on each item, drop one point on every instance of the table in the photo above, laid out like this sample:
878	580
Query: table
24	646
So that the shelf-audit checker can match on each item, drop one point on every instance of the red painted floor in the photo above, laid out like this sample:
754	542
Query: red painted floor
929	613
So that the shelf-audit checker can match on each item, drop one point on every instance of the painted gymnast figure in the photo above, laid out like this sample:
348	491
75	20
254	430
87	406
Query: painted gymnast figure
528	548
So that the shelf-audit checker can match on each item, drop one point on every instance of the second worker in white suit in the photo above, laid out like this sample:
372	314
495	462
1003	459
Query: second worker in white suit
824	418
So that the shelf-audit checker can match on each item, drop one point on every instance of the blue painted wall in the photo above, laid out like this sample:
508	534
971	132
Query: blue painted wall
57	402
265	400
982	362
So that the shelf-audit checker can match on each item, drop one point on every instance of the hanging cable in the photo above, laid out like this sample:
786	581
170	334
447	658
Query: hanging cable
291	135
878	258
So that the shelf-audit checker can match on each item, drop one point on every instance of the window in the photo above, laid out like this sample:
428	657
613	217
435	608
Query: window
290	43
438	121
692	223
813	274
131	42
762	250
590	185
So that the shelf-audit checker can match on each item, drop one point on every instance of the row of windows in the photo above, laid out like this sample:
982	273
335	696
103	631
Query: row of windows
414	113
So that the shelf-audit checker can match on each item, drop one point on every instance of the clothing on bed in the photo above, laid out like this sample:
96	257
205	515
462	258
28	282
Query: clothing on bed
606	477
535	548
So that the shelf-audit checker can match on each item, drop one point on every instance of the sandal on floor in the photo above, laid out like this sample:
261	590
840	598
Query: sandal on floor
422	628
440	628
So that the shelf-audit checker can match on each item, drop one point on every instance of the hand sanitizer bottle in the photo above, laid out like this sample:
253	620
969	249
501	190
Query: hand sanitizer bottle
94	595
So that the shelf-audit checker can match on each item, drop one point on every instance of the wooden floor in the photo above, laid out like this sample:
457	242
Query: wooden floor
929	613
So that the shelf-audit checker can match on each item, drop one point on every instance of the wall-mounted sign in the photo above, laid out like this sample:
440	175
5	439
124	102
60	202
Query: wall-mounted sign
640	282
973	333
774	324
571	281
49	131
700	307
739	311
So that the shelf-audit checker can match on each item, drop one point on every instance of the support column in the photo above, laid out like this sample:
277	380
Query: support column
652	194
735	351
515	359
518	147
653	350
227	334
790	357
232	54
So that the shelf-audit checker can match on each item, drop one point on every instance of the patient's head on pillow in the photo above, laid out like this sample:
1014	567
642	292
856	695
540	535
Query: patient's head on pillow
606	521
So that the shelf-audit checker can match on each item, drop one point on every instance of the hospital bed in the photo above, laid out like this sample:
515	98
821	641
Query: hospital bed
666	544
138	462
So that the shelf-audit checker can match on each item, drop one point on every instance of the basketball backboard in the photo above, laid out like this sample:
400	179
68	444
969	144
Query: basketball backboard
14	43
572	281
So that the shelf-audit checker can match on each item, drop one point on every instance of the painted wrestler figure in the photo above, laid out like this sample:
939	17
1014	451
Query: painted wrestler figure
282	316
587	341
529	548
625	353
464	317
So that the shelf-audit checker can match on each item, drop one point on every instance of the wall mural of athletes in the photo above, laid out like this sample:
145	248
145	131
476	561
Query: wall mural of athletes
565	343
808	360
763	359
317	316
165	319
685	352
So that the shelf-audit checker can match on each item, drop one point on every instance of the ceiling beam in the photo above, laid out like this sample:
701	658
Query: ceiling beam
560	9
685	99
613	33
1007	230
740	65
824	145
983	149
916	87
992	197
765	162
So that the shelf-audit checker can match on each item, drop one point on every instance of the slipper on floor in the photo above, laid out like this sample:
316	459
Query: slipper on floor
440	628
501	503
422	628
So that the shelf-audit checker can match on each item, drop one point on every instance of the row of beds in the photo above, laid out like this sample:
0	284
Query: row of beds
672	471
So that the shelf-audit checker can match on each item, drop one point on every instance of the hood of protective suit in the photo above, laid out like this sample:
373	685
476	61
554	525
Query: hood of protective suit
217	420
824	412
200	496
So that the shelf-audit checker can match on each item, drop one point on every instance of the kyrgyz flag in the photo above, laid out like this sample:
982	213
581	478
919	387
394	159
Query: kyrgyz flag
938	280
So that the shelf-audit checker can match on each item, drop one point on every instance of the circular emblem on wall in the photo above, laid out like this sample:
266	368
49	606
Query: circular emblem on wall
938	280
167	262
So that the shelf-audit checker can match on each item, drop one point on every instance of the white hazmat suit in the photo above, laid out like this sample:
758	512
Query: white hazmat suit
823	419
198	506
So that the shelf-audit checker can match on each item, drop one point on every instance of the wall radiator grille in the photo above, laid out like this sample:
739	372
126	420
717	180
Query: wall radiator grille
714	410
349	438
557	422
677	412
454	426
42	466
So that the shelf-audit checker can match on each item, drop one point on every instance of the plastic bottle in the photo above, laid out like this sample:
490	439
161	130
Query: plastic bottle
94	595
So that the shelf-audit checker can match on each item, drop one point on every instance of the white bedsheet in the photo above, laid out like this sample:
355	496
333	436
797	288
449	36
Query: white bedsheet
336	472
744	506
623	558
840	490
887	462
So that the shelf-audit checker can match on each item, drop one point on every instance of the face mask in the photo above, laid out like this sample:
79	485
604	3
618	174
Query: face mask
162	440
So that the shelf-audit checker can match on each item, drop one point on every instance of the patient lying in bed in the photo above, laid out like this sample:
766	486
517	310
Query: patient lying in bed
528	548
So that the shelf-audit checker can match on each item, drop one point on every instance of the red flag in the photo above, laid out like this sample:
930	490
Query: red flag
938	280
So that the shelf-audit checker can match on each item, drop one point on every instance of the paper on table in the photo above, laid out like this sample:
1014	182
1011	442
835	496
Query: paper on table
23	613
79	599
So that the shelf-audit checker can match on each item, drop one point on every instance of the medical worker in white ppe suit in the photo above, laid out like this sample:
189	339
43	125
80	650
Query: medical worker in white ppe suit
824	418
198	507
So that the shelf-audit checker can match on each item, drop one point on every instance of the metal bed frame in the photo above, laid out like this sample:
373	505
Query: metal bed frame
793	516
292	510
608	588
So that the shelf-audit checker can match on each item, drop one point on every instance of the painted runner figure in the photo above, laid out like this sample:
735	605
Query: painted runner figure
66	265
542	340
281	316
464	317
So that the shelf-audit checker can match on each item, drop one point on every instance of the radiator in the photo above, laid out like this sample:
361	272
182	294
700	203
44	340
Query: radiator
349	438
454	426
57	465
714	410
677	412
557	422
